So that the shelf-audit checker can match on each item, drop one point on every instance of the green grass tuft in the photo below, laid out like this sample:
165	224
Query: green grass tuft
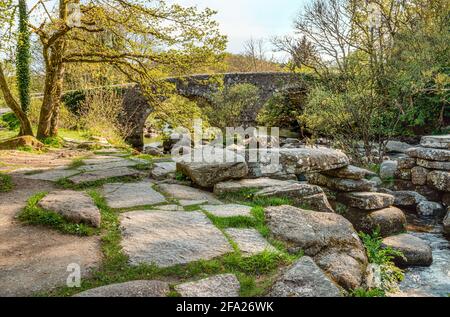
6	184
32	214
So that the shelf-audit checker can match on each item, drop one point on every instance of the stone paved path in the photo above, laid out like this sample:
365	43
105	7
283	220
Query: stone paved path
35	258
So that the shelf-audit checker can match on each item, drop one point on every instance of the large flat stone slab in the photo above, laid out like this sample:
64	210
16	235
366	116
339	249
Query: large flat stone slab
430	154
162	170
126	195
350	172
341	184
129	289
327	237
246	184
366	200
52	175
249	241
107	165
435	165
228	210
75	206
170	238
208	174
312	159
305	279
104	174
436	141
182	192
225	285
102	159
300	194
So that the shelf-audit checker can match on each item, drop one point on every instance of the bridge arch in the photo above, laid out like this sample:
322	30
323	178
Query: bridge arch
137	108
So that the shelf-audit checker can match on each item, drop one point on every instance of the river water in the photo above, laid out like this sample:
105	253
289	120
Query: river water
434	280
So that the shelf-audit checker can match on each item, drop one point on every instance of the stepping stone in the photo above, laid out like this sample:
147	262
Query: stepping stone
187	203
436	141
104	174
312	159
52	175
169	208
350	172
230	210
246	184
416	251
249	241
170	238
163	170
77	207
305	279
341	184
129	289
367	200
107	165
126	195
182	192
226	285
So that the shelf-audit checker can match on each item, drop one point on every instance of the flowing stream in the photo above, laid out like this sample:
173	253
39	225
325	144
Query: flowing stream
434	280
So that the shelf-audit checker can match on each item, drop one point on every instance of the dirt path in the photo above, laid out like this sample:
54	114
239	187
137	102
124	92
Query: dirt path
33	258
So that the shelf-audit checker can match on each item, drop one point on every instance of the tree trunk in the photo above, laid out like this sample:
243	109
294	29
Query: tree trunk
48	120
25	125
57	101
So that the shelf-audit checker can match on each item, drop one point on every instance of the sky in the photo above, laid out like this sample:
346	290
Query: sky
241	20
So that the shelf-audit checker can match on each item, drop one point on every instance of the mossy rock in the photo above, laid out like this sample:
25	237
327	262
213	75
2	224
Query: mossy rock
20	142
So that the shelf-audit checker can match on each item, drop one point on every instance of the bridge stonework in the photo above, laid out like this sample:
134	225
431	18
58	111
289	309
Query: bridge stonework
137	108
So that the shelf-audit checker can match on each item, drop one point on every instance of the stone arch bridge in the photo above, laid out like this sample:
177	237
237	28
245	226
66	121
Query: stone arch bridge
137	108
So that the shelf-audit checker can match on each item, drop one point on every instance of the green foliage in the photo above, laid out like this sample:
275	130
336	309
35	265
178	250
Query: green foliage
54	142
10	121
280	111
34	215
180	176
382	256
228	105
5	183
176	111
361	292
74	100
23	57
77	162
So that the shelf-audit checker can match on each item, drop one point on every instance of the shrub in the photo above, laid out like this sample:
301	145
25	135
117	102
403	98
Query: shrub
233	106
100	113
383	257
176	111
10	121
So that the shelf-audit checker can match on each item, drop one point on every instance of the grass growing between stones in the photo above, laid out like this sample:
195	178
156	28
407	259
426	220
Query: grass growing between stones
5	183
35	215
256	274
76	163
67	184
